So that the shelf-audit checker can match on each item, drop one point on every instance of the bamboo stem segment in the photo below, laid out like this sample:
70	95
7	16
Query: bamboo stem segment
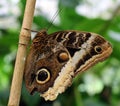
24	38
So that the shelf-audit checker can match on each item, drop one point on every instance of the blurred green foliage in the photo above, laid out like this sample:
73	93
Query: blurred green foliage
98	87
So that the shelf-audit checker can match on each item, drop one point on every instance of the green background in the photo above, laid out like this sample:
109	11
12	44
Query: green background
100	86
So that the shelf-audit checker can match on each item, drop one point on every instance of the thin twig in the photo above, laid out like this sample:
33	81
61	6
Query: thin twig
24	38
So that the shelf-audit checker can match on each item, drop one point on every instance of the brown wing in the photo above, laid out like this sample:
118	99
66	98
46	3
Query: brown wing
72	40
90	48
83	50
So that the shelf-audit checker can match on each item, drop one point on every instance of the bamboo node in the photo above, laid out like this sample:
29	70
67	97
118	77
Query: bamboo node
24	40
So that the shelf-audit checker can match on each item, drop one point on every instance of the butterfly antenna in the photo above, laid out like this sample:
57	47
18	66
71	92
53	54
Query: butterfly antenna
54	17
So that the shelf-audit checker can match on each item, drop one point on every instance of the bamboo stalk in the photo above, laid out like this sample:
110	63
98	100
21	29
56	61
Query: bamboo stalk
24	38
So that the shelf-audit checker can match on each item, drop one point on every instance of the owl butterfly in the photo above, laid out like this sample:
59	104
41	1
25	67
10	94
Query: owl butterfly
54	60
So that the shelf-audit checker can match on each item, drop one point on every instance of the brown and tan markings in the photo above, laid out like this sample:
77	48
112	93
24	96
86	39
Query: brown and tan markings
54	60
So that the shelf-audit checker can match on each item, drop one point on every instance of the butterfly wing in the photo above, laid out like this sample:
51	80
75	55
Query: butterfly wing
44	63
55	59
85	49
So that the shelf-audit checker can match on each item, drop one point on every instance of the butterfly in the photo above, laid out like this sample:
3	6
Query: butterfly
55	59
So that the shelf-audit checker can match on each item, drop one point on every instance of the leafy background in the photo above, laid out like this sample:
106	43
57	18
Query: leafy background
100	86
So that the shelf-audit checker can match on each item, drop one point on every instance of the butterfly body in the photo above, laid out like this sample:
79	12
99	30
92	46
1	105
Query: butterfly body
55	59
